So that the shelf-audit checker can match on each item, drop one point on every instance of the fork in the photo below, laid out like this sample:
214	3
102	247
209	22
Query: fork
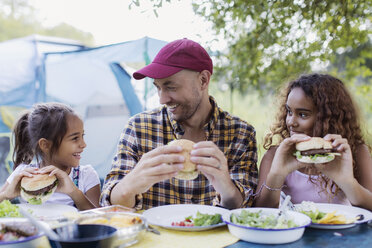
290	204
283	207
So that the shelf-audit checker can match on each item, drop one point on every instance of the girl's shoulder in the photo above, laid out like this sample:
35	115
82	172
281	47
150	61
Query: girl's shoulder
363	155
268	157
87	169
271	151
23	166
363	148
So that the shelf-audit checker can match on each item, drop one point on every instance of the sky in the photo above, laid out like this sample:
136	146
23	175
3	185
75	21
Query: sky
111	21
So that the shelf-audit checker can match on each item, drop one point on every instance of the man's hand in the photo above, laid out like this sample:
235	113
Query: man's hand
157	165
212	163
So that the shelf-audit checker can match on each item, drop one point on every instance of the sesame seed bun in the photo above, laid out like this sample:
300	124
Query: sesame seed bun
189	171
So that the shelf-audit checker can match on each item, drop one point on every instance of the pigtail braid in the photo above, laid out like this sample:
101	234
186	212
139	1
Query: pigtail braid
23	153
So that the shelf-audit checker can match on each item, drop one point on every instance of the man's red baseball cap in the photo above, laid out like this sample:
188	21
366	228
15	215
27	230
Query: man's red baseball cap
174	57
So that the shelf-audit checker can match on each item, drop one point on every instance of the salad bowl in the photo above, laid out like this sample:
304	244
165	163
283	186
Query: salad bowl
265	226
35	240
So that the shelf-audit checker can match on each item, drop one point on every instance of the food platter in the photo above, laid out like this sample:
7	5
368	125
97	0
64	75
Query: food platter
35	240
129	224
48	212
109	209
349	212
164	216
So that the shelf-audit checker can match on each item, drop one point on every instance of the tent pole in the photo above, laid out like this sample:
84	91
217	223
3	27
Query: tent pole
147	61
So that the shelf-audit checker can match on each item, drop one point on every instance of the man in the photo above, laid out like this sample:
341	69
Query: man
142	174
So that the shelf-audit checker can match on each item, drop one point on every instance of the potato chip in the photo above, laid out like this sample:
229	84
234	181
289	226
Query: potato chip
332	218
327	218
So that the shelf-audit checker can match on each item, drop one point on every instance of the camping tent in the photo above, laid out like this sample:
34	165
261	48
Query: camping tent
20	63
94	81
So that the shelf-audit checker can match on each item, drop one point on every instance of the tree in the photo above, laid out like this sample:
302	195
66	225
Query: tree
272	40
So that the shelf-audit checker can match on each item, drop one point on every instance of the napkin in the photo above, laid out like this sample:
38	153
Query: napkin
213	238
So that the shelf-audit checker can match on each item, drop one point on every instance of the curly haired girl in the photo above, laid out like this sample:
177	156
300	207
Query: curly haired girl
316	105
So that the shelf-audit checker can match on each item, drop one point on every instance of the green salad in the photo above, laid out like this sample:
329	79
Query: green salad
7	209
199	220
205	219
315	215
314	157
260	220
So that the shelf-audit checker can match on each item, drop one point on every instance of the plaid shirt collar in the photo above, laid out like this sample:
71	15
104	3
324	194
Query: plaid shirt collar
208	127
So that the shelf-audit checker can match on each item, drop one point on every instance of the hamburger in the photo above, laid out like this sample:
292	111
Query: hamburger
38	189
189	171
315	150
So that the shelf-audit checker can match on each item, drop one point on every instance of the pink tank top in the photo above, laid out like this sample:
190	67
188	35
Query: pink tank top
301	189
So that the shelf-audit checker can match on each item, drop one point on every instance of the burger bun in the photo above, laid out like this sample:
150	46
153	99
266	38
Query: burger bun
189	171
321	151
313	143
37	183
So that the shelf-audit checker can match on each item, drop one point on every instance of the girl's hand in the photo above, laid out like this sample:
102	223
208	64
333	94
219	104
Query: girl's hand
13	189
65	183
284	161
340	170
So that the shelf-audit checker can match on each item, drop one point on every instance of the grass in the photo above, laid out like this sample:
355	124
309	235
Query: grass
252	108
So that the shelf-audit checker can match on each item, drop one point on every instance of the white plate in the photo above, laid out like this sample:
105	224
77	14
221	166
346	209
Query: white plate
164	215
48	211
348	211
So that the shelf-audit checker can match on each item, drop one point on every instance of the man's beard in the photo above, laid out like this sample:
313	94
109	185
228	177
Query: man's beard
187	111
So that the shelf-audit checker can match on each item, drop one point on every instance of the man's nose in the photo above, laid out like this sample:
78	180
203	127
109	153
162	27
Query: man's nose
163	97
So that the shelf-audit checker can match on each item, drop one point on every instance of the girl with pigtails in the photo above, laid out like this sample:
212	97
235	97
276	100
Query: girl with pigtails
49	140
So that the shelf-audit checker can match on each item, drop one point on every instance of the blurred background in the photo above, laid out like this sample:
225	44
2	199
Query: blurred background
83	53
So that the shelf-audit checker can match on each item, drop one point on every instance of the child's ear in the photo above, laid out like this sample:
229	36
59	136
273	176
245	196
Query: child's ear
45	145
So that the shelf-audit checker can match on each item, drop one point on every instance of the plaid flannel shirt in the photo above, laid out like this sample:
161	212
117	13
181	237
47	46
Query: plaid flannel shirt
149	130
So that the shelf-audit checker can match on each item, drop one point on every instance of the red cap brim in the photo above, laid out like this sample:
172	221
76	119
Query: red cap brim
156	71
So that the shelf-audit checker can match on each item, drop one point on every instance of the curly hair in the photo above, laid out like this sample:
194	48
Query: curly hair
336	112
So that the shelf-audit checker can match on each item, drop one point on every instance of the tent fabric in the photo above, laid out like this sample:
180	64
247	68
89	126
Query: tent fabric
20	63
94	81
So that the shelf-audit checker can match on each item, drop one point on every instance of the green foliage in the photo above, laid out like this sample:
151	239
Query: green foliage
269	40
67	31
272	40
17	19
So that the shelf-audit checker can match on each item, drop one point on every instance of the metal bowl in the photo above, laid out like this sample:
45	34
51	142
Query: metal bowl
268	236
35	241
84	236
127	235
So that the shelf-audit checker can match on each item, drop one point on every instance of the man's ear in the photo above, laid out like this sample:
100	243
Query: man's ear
205	76
44	145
